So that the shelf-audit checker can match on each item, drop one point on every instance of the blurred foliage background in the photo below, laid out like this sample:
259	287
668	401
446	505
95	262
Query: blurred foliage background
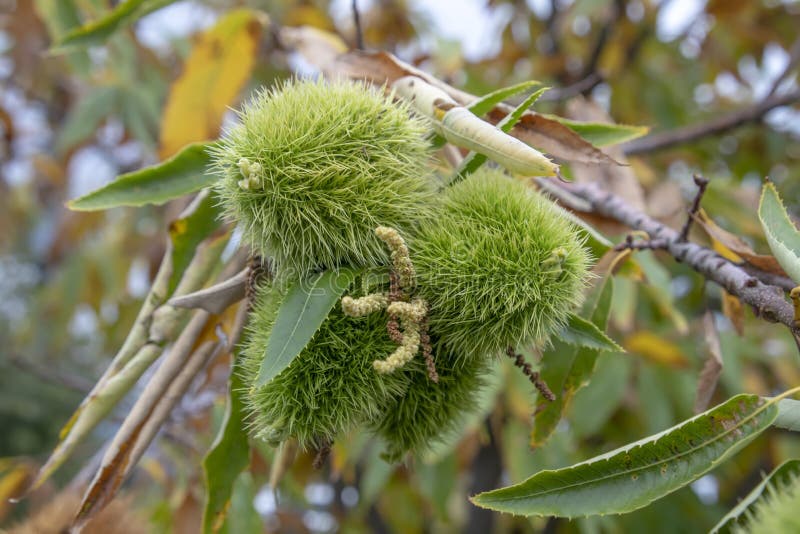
72	282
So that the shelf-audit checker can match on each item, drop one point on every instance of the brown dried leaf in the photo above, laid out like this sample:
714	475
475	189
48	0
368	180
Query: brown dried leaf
382	68
169	382
709	376
734	244
217	298
318	47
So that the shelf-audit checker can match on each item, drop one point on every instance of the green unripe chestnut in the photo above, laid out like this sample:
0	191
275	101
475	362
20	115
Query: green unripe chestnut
314	167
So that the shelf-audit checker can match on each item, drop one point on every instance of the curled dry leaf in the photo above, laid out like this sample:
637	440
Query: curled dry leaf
383	68
709	376
217	298
734	244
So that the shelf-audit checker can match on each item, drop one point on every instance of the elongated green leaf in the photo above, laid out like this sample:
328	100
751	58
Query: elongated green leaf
782	235
788	415
97	31
189	231
485	103
511	120
602	133
474	160
566	368
582	333
586	357
635	475
228	456
303	310
61	16
185	172
786	473
84	118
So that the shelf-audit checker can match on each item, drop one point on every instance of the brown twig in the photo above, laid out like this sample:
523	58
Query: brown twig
582	86
768	278
323	453
357	23
702	184
533	376
646	244
767	301
715	126
617	10
427	350
395	295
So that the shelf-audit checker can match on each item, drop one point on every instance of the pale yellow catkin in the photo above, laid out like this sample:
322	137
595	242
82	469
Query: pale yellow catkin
401	259
403	354
411	315
364	305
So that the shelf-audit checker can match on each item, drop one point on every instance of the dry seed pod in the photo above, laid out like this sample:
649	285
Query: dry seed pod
462	128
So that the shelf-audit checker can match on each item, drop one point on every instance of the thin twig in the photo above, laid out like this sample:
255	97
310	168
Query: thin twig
582	86
768	278
357	23
701	184
646	244
53	376
617	9
767	301
715	126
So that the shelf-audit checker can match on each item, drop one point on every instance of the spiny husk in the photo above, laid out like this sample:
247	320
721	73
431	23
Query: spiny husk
428	413
314	167
774	512
500	265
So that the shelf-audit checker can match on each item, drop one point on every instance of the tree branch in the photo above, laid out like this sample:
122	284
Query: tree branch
721	124
767	301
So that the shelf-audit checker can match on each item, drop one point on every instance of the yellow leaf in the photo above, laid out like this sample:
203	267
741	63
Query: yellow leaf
733	310
656	349
215	72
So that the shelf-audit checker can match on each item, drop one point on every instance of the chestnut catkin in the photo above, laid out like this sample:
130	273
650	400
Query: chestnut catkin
314	167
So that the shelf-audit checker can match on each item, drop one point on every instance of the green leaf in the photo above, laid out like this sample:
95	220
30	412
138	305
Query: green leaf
602	134
581	333
786	473
566	368
183	173
60	16
97	31
189	231
485	103
474	160
782	235
585	359
633	476
228	456
303	310
788	415
85	118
